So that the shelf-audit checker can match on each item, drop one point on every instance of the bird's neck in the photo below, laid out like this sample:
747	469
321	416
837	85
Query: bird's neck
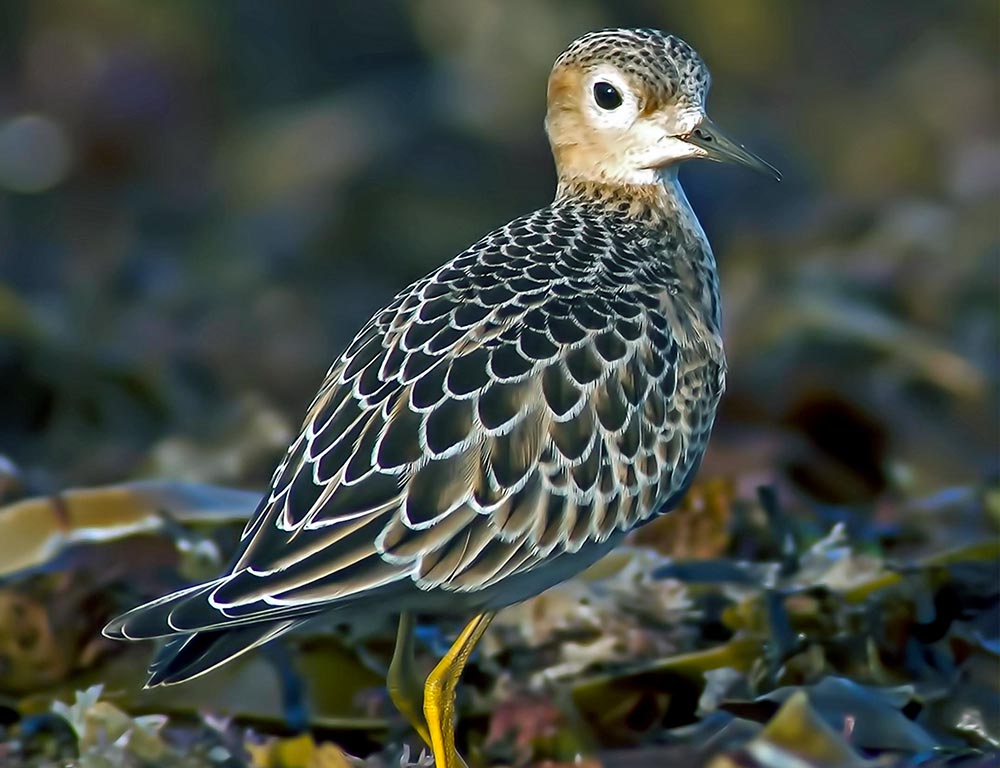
575	189
661	203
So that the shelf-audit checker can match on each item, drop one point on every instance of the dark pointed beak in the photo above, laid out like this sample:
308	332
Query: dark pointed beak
722	149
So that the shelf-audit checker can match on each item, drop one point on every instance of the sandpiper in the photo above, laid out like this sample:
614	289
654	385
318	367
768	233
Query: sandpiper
506	420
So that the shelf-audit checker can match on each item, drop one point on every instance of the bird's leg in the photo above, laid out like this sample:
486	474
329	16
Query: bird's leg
405	688
439	693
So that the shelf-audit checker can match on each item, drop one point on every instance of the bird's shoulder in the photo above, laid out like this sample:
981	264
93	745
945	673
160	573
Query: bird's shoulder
542	282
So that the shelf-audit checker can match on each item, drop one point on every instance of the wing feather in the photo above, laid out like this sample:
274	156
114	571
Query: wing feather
501	412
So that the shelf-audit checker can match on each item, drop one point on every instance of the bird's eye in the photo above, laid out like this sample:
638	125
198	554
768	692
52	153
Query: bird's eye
607	96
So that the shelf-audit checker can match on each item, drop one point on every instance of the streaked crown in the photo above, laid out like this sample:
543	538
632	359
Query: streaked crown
663	66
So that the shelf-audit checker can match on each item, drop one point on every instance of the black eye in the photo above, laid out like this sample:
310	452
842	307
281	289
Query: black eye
607	96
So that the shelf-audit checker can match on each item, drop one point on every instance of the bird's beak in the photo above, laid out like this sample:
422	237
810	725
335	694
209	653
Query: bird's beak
718	147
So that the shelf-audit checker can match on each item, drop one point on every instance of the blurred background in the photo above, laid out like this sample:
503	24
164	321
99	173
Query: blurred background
201	202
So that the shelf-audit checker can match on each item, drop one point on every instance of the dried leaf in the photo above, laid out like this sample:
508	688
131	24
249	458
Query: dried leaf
796	737
299	752
34	531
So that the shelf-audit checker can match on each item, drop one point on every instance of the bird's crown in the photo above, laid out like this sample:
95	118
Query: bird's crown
663	65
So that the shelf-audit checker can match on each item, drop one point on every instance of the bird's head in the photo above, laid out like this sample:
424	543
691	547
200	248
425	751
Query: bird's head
626	104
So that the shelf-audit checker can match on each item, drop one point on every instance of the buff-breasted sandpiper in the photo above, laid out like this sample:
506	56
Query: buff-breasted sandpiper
508	419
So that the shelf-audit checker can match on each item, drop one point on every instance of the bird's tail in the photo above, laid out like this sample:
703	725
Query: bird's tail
201	638
188	656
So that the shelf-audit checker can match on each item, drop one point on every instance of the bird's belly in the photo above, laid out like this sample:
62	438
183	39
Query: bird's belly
522	586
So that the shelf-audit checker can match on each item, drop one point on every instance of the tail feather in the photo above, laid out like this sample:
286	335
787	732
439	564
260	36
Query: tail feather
206	640
200	635
187	656
152	620
191	610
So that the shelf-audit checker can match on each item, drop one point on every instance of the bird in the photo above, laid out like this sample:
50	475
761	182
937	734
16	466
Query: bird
507	419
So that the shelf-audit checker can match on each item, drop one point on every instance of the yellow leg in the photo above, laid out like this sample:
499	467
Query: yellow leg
405	688
439	693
